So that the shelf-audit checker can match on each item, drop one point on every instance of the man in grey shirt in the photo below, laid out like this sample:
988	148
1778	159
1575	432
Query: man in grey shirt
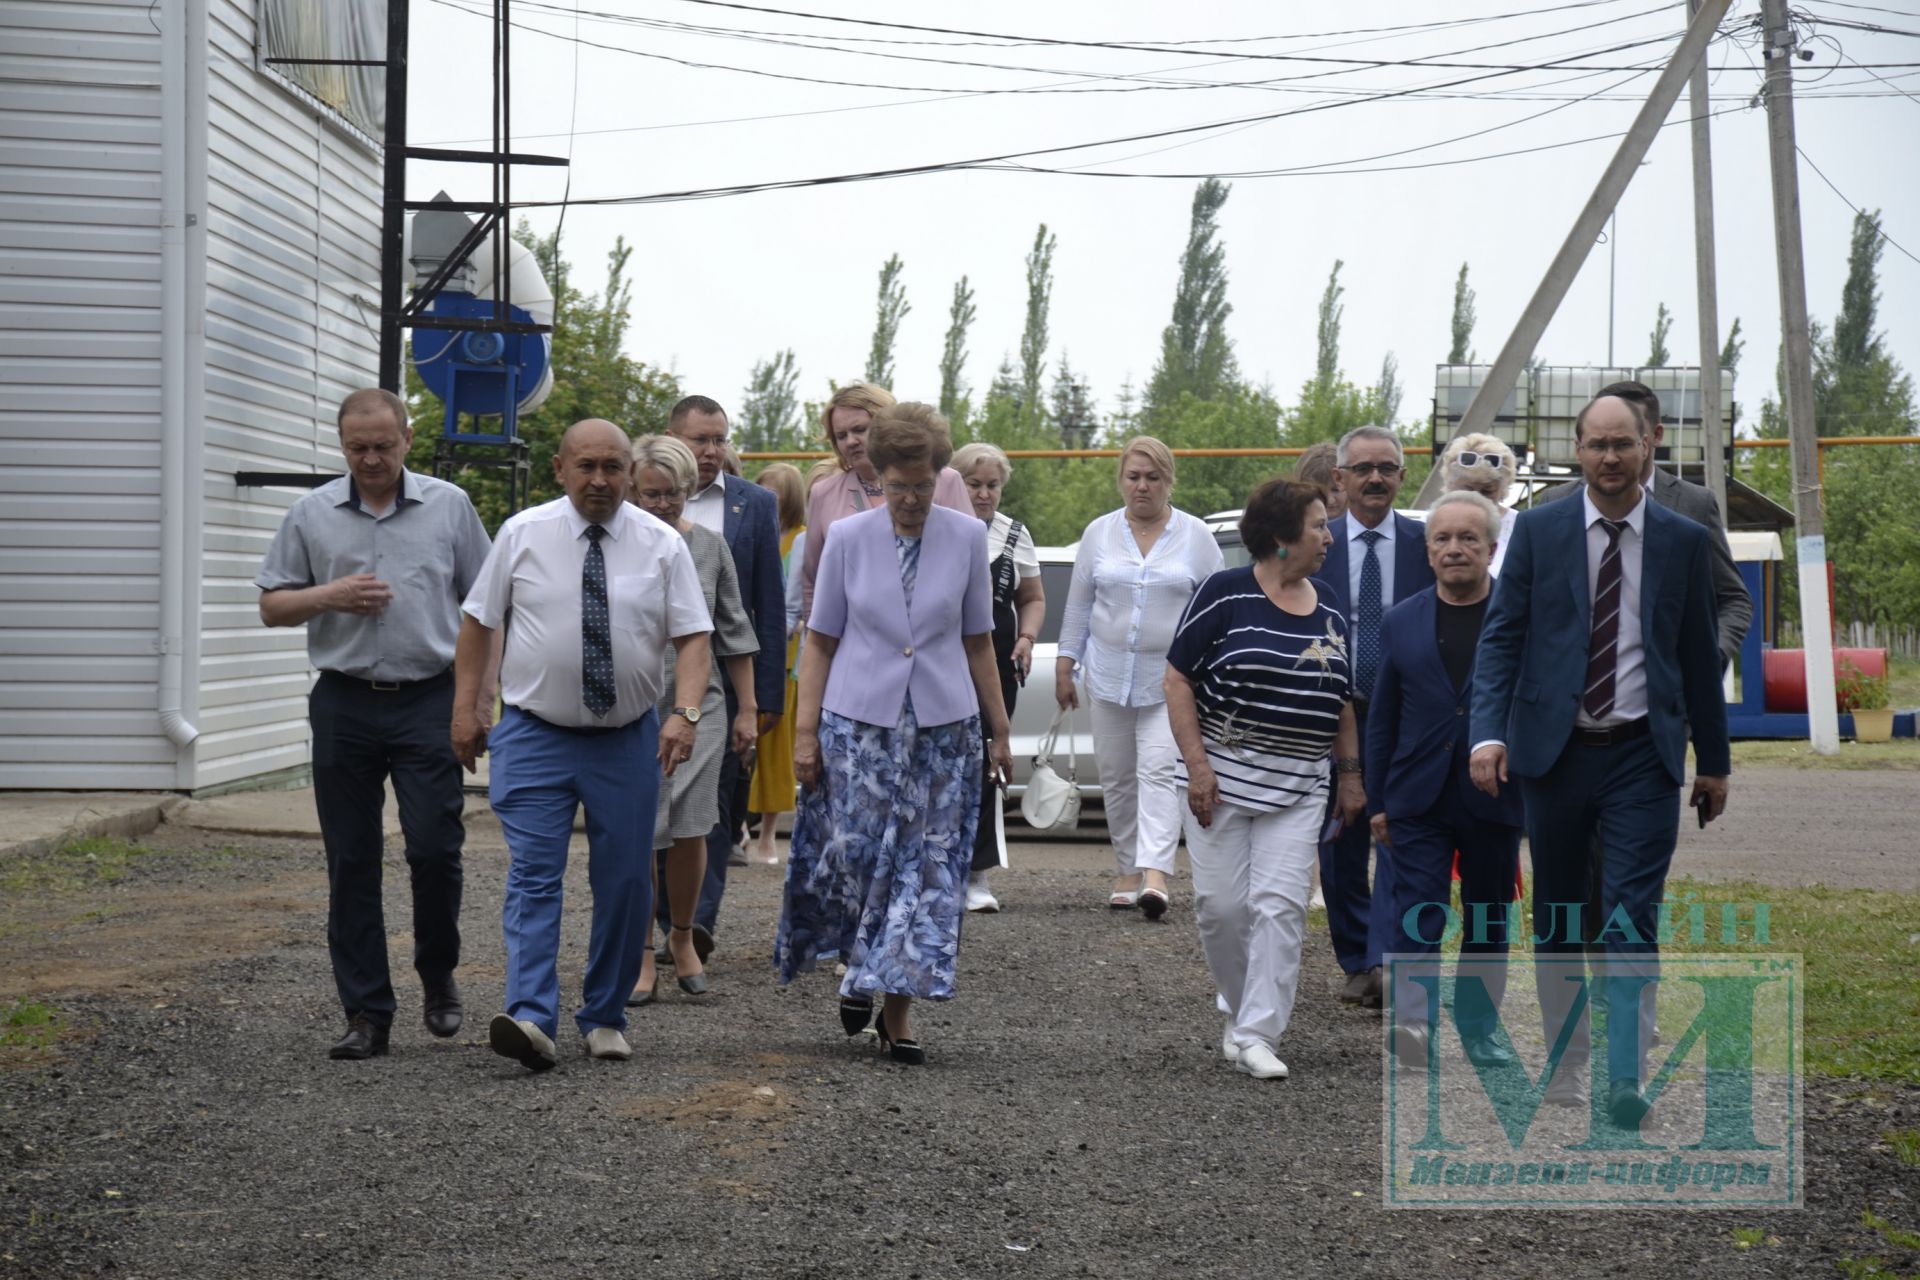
375	565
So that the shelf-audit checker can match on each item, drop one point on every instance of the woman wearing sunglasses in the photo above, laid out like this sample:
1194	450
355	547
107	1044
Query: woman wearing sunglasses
1484	465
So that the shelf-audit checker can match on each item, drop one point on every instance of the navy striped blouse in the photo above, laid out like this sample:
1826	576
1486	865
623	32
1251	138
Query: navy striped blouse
1269	685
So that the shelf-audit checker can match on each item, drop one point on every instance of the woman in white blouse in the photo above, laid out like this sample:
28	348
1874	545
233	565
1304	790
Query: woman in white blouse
1136	569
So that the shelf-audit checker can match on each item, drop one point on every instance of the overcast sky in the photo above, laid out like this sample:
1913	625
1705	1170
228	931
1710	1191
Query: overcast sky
721	283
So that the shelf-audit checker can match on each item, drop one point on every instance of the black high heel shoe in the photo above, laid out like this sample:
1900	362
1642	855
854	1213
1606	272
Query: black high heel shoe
695	985
907	1052
855	1013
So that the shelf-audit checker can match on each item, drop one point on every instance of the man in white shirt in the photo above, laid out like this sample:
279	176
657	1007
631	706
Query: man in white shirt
595	591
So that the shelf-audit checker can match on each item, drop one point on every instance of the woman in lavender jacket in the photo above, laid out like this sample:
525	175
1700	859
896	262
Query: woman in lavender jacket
887	740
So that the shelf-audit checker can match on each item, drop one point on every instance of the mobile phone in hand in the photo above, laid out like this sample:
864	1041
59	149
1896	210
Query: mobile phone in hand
1702	803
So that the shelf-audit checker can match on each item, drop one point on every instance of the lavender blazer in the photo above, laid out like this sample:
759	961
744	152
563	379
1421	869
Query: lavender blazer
836	497
887	650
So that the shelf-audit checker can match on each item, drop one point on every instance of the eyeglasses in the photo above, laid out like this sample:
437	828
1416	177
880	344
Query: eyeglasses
1468	458
1385	470
897	490
1621	445
655	497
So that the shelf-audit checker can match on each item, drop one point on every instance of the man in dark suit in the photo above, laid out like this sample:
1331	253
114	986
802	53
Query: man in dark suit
1599	659
1378	559
1732	603
1420	799
747	517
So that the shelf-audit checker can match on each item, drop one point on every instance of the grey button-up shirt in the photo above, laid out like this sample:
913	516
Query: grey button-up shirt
428	548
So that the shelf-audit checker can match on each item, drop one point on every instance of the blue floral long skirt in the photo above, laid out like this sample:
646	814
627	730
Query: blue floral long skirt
880	856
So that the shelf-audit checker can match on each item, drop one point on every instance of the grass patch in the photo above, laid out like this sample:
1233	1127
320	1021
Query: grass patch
1903	681
28	1024
95	861
1901	754
1905	1144
1877	1268
77	864
1861	978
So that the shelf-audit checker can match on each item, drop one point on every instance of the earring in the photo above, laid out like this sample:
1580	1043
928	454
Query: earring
1283	553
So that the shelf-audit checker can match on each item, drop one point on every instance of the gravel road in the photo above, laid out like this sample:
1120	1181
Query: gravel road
1074	1119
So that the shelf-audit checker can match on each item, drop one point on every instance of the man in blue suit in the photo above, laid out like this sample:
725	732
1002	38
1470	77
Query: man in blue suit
1600	658
747	517
1421	801
1378	559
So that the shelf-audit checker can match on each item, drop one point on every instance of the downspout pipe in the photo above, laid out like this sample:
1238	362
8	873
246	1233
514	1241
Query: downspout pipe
175	57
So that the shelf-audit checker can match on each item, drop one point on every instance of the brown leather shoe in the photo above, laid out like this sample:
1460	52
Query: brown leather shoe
444	1011
364	1039
1372	995
1355	990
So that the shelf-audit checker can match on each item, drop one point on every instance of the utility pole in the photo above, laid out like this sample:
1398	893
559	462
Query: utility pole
393	205
1810	543
1613	258
1706	285
1586	230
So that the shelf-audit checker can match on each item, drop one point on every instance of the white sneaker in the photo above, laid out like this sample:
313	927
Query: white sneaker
1260	1062
521	1040
979	897
1229	1047
605	1042
1318	900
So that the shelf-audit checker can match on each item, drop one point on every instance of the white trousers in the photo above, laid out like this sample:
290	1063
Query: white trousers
1252	872
1134	752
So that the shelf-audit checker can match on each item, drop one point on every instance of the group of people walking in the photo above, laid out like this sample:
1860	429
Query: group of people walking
1359	692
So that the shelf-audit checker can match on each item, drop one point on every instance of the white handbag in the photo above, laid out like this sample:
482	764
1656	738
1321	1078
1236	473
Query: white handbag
1051	802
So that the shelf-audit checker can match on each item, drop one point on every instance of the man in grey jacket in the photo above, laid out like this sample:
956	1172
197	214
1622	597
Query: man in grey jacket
1732	605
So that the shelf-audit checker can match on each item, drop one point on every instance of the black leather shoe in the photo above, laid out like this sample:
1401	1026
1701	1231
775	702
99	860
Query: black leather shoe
856	1014
702	942
444	1012
1410	1043
1626	1104
1372	996
364	1039
906	1052
1488	1051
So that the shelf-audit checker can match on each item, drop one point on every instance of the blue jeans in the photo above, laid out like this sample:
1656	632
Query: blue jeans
540	773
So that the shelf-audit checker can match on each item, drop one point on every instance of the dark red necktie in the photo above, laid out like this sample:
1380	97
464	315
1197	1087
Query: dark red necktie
1603	645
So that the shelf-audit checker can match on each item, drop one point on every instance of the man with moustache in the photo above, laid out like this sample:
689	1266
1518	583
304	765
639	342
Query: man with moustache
1598	662
374	565
591	591
1378	559
1422	802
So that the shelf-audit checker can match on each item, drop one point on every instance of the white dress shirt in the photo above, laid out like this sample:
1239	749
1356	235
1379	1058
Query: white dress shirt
1357	559
1630	668
532	583
1122	607
708	507
1508	518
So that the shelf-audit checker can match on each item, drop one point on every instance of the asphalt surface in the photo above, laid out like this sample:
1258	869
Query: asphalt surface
1074	1118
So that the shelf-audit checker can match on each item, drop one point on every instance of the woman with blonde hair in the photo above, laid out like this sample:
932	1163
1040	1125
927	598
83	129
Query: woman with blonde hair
664	476
845	421
773	785
1019	608
1484	465
1136	569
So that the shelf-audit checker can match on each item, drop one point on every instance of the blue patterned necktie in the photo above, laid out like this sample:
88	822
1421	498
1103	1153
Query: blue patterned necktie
1603	643
596	636
1367	618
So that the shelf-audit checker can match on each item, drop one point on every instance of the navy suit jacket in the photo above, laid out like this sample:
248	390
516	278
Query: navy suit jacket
1411	572
1531	670
753	535
1417	725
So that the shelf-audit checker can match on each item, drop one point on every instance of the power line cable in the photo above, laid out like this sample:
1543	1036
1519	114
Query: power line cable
1878	229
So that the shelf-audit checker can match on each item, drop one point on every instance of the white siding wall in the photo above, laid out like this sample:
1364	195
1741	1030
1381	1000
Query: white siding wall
80	157
293	215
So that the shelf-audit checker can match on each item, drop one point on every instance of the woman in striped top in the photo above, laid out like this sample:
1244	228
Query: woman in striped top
1258	694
